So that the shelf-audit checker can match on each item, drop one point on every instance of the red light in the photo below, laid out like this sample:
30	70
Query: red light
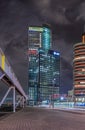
32	52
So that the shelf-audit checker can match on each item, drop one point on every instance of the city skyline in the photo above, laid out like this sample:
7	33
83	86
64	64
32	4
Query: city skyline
67	20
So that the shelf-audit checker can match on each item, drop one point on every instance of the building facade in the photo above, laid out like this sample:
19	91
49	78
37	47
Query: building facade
49	75
79	71
43	65
34	38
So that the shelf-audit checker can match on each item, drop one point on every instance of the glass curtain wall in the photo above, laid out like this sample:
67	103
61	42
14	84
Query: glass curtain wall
43	65
49	75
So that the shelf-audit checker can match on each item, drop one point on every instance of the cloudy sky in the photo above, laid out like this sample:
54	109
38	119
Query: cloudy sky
66	17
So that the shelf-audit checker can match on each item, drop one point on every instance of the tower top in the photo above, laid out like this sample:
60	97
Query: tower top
83	35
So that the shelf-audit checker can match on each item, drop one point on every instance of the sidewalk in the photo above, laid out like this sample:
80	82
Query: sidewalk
17	121
77	110
74	110
40	119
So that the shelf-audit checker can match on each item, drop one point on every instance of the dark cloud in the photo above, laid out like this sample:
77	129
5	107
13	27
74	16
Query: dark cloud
81	12
16	53
60	11
48	12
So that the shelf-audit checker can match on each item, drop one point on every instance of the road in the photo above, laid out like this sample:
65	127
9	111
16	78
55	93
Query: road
43	119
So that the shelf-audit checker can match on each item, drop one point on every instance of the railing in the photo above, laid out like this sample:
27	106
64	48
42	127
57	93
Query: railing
6	68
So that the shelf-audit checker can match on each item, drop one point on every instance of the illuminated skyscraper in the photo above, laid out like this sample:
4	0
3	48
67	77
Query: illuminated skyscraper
34	38
49	74
44	71
79	70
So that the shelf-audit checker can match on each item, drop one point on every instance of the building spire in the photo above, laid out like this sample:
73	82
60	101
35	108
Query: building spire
83	35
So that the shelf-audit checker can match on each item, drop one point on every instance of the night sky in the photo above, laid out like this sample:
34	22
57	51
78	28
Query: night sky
66	17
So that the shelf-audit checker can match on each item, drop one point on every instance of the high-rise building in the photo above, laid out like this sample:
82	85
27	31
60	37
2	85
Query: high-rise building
44	65
79	71
49	74
34	38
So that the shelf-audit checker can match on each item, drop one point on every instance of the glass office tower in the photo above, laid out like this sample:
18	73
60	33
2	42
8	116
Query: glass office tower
43	65
49	75
34	38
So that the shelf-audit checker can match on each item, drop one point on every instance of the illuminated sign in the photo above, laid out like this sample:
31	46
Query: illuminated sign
39	29
54	52
32	52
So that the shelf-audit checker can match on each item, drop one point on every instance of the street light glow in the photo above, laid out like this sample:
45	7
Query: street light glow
56	53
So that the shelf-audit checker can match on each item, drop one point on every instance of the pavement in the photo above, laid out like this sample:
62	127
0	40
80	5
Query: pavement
78	110
74	110
31	118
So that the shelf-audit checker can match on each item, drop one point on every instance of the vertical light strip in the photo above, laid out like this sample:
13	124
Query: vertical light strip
83	38
3	62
